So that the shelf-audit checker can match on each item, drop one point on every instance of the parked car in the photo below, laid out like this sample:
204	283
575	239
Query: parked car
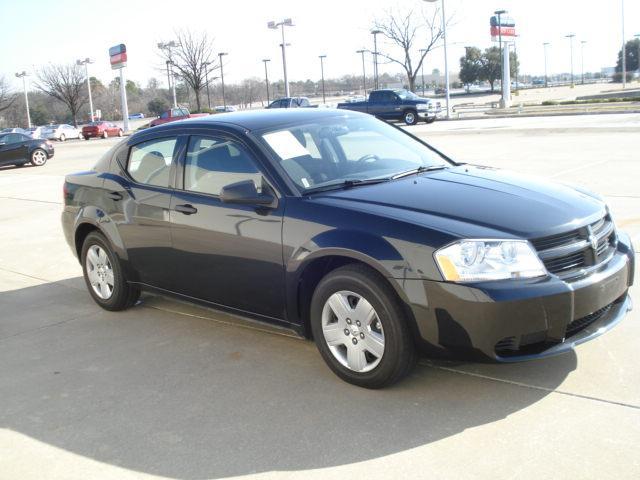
134	116
397	105
101	129
174	114
291	102
61	132
35	132
353	232
14	130
19	149
223	109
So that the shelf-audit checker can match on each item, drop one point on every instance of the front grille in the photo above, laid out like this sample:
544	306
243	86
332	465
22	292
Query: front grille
581	323
570	254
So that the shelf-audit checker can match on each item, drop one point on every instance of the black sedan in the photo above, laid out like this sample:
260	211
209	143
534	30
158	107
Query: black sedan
18	149
352	232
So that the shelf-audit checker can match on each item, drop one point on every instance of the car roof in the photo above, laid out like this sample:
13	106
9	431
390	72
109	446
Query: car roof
262	119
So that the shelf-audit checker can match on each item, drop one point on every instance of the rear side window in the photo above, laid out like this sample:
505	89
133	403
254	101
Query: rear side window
213	163
150	162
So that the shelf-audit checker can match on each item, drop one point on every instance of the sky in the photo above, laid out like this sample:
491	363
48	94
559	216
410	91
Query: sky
33	33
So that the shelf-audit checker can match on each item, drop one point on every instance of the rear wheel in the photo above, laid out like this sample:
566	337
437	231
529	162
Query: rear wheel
62	138
410	117
105	134
430	120
86	138
104	276
38	157
359	328
120	133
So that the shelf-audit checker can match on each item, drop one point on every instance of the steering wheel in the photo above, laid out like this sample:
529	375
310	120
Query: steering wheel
368	158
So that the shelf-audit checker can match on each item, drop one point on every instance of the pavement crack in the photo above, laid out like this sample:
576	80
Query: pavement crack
526	385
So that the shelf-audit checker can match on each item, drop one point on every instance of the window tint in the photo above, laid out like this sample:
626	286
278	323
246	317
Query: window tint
150	162
13	138
176	112
304	102
164	115
213	163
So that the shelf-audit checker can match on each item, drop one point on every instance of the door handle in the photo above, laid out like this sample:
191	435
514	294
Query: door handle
114	196
187	209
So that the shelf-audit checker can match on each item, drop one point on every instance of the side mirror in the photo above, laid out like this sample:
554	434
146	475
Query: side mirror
245	193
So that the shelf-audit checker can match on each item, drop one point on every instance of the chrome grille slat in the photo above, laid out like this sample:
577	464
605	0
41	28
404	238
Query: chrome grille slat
572	253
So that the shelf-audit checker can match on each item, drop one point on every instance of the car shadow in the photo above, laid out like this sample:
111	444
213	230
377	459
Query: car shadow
168	392
15	167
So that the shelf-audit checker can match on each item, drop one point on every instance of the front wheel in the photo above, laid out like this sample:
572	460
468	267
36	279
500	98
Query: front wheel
104	276
120	133
105	134
62	138
410	117
38	157
360	329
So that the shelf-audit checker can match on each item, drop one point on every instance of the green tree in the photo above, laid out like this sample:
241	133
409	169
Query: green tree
157	106
632	50
491	65
470	66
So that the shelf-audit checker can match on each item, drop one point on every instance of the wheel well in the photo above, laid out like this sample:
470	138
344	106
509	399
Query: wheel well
316	271
82	231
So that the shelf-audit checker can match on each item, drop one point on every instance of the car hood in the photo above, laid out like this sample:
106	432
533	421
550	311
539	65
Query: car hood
470	200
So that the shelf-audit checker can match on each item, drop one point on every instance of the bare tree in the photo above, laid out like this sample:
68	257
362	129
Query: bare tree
65	83
193	59
7	95
410	33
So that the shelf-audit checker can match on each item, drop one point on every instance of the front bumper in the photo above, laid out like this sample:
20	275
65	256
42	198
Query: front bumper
510	321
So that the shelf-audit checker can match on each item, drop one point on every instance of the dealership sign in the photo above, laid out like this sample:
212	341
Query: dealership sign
118	56
505	27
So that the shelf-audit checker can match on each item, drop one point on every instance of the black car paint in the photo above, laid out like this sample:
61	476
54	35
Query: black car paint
393	110
263	262
19	153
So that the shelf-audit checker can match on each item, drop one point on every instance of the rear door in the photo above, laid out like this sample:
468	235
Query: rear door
138	200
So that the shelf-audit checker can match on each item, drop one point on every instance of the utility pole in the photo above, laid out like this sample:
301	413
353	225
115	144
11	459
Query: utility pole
545	45
322	57
570	37
422	50
23	75
266	76
364	74
582	42
168	46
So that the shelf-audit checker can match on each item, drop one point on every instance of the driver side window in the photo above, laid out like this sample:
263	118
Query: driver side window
150	162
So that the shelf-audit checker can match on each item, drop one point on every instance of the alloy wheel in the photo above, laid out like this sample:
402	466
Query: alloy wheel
100	272
353	332
38	158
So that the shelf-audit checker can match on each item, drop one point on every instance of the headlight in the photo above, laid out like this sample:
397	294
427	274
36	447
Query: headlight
481	260
422	106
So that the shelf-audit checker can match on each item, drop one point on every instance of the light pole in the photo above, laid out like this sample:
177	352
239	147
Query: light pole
170	79
545	45
375	58
224	101
266	76
23	75
422	50
322	57
499	13
86	63
582	42
624	49
206	79
446	58
287	22
364	74
515	54
570	37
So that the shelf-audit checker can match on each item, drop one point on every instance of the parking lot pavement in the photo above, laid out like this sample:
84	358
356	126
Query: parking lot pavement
166	390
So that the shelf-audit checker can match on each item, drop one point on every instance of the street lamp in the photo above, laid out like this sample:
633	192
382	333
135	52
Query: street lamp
545	45
582	42
224	101
23	75
168	46
446	61
422	51
287	22
266	76
570	37
86	63
364	74
206	79
375	58
624	49
322	57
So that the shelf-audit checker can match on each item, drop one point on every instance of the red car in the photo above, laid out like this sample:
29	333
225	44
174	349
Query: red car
101	129
175	114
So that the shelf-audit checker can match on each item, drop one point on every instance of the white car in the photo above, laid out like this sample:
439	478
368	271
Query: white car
35	132
61	132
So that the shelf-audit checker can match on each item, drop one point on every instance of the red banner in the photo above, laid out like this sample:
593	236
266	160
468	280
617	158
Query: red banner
119	58
505	31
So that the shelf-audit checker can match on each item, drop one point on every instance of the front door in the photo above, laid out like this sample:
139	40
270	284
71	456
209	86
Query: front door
227	254
14	149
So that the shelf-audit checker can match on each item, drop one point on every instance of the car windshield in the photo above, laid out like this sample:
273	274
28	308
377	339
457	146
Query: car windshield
343	151
406	95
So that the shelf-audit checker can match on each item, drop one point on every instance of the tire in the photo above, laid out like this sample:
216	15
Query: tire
410	117
105	134
86	138
120	133
430	120
104	276
385	329
62	138
38	157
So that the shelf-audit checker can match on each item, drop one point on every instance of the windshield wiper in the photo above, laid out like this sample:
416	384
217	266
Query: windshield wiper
420	169
346	184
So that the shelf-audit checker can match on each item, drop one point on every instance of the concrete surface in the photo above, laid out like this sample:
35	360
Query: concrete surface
167	390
